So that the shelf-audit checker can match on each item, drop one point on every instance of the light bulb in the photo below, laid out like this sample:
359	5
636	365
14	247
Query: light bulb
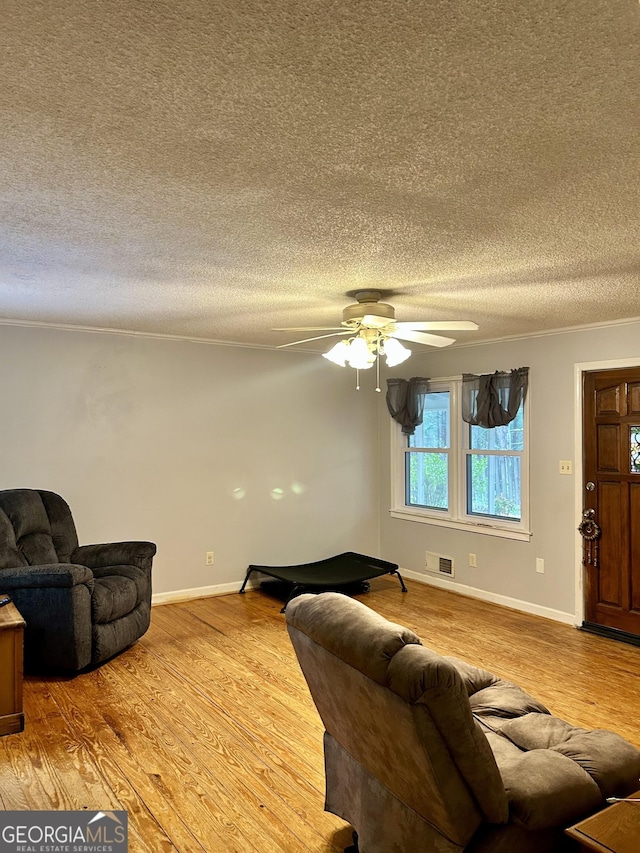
338	354
394	352
360	356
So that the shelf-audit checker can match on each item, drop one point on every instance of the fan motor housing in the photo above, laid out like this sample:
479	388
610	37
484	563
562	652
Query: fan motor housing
355	313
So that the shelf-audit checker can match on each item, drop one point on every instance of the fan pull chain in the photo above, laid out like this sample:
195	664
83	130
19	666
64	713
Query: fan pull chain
357	379
378	373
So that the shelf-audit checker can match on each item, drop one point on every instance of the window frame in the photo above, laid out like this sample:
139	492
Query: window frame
457	516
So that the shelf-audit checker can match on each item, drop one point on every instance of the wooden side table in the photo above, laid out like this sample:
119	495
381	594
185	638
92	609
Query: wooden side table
11	657
615	829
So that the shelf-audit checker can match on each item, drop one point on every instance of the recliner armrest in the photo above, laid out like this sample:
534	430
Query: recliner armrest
49	575
55	602
115	554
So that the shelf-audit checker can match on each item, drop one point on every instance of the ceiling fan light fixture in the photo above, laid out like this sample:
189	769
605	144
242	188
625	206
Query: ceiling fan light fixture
361	355
373	332
394	352
338	354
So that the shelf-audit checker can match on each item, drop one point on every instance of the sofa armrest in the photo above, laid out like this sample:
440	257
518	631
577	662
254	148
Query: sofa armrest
115	554
64	575
55	602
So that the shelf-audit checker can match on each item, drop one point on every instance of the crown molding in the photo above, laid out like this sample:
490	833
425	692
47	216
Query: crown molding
105	330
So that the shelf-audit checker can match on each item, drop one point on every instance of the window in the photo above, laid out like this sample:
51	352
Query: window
457	475
428	453
634	443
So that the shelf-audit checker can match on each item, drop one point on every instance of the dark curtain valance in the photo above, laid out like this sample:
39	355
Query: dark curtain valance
493	399
405	401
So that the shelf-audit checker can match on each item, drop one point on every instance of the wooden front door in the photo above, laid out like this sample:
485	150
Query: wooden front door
611	488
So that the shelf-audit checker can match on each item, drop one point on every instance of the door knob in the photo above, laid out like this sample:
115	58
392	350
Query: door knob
590	533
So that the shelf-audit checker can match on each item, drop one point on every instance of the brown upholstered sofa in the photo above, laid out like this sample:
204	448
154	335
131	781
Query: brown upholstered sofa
427	753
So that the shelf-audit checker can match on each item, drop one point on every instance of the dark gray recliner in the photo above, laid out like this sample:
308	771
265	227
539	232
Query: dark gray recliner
82	604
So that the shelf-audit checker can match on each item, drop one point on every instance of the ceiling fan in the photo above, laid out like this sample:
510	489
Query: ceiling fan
372	319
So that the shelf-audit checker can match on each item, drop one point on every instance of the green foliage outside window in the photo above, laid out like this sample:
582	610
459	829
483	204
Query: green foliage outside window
427	476
494	481
494	486
493	475
428	480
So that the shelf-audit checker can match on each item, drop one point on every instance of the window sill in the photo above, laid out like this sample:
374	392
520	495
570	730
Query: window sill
483	528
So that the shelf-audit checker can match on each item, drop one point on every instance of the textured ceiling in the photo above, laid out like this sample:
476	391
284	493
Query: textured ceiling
216	168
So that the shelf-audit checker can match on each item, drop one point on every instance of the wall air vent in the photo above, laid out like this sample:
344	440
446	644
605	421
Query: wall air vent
439	564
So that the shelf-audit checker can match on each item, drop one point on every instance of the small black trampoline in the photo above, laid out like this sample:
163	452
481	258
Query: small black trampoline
334	573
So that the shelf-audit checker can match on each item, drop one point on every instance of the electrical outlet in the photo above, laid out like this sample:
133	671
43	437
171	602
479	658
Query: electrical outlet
209	558
472	560
565	466
540	565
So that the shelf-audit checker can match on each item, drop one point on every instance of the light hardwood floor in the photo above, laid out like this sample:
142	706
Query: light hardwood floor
205	732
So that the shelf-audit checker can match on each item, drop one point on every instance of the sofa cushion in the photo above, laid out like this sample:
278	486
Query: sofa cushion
547	789
63	529
113	596
525	749
612	762
26	512
503	750
10	556
139	577
537	731
504	699
112	637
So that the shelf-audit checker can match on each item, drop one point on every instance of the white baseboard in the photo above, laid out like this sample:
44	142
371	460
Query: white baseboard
195	592
205	591
432	580
493	597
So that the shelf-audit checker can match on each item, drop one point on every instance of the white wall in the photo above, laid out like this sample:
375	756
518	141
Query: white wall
507	567
184	443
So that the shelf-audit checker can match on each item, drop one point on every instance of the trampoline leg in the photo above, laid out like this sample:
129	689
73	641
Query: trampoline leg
246	578
404	589
297	590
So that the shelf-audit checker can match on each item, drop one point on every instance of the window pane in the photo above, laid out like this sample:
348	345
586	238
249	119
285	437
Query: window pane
427	480
509	437
493	486
434	429
634	440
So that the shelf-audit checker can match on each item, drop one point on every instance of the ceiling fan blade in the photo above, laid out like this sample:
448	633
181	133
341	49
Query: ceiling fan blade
309	329
422	338
317	338
438	325
375	322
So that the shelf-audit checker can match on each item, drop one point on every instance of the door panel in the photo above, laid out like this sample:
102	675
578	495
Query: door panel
611	462
608	448
608	401
609	518
633	399
635	547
